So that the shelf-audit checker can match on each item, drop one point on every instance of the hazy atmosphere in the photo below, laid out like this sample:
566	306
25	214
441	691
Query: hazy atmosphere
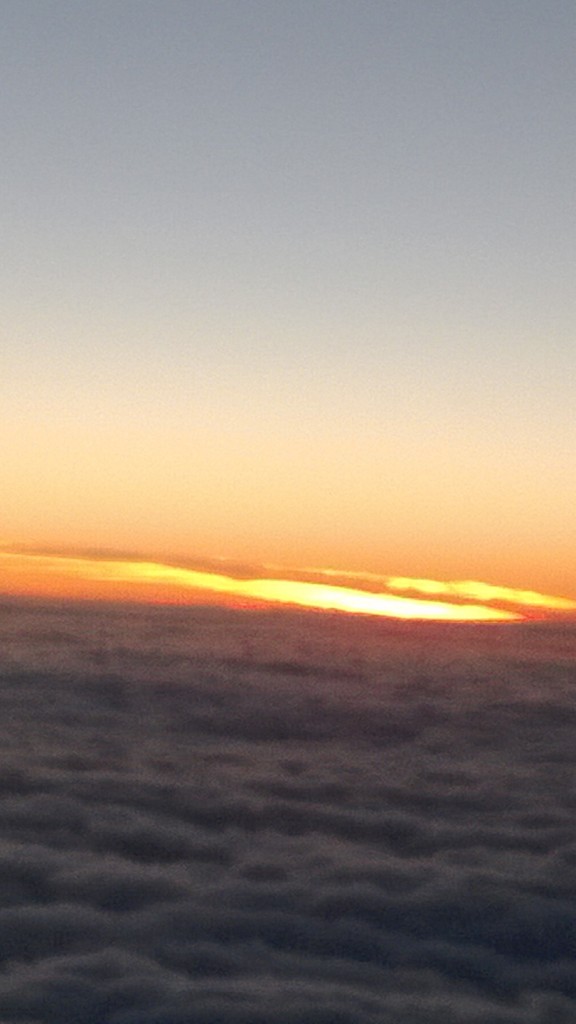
292	282
288	480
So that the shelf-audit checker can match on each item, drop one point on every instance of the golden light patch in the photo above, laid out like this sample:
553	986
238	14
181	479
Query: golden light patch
126	579
474	590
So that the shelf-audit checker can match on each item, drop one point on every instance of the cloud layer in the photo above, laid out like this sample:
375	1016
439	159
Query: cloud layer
227	818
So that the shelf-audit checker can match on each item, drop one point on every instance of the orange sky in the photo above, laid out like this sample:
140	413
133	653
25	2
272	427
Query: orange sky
84	576
310	302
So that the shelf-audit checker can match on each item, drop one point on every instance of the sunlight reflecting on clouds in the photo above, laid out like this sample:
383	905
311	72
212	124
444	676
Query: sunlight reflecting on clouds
472	589
124	579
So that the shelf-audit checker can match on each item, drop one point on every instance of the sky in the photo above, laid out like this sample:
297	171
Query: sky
291	284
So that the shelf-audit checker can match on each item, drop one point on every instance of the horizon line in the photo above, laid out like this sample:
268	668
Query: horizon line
119	577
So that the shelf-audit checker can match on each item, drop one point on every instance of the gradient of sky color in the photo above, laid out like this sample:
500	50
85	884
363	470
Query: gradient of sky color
292	282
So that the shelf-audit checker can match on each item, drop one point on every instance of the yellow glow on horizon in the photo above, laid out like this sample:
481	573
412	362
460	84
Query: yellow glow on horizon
119	576
472	589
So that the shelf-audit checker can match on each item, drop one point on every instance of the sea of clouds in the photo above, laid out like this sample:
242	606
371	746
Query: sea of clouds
217	817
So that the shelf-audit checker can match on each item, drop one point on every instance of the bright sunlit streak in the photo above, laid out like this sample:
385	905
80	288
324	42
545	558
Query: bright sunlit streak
472	589
115	574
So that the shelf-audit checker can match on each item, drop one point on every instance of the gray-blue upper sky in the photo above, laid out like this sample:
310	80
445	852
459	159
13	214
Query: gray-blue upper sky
345	225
